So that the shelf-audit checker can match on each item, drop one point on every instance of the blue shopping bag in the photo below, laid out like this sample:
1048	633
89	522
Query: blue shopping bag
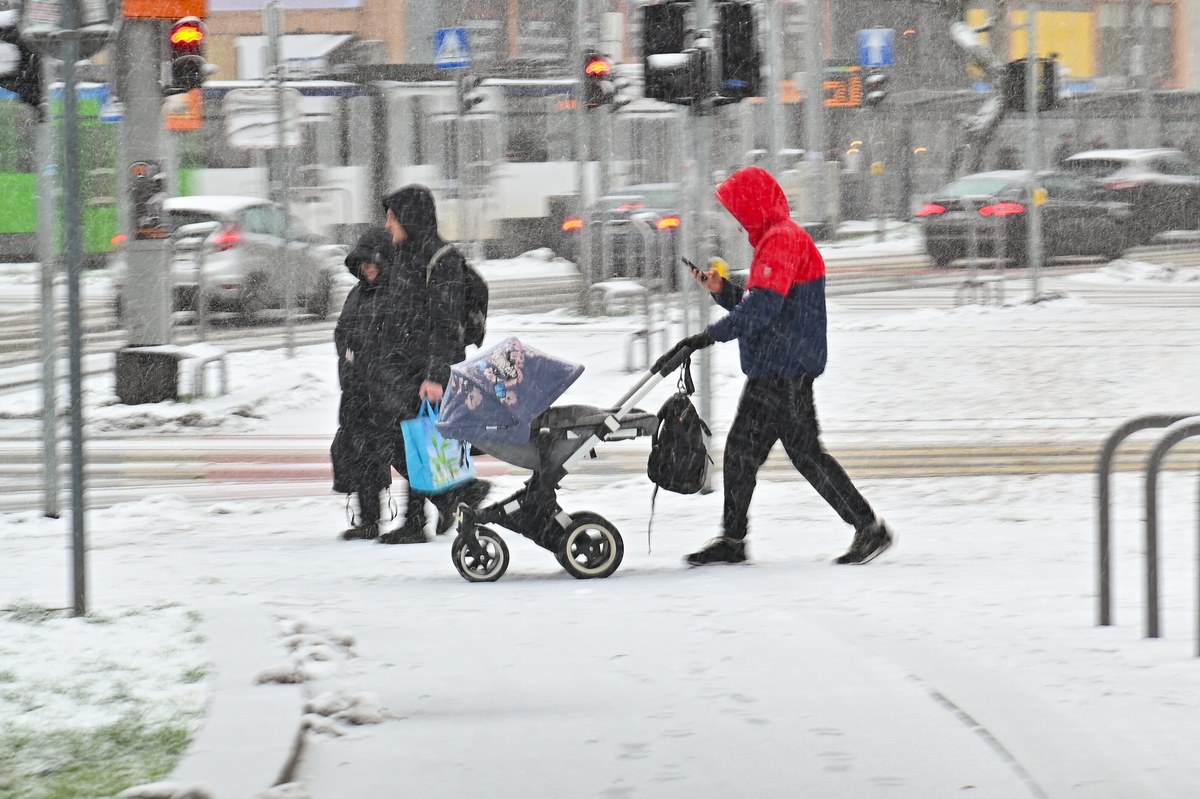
435	464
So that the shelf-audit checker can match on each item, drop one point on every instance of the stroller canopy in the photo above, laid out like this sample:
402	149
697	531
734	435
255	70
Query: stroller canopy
498	393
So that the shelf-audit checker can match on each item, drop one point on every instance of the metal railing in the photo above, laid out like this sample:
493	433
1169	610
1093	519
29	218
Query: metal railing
1104	475
988	289
1184	428
204	232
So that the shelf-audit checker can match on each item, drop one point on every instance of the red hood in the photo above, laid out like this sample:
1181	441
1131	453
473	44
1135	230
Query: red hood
755	200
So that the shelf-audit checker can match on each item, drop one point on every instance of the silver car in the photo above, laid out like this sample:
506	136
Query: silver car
242	258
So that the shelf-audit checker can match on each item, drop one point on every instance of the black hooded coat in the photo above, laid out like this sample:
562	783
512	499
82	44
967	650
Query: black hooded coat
362	448
424	324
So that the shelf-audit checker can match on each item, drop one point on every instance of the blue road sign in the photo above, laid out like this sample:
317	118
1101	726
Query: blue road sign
876	47
451	50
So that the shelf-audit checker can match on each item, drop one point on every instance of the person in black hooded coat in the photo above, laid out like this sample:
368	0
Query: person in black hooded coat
362	448
424	337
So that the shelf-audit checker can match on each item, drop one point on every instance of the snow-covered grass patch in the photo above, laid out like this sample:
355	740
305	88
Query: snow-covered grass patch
95	704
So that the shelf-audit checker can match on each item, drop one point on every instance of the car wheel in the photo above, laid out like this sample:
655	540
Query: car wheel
320	300
254	296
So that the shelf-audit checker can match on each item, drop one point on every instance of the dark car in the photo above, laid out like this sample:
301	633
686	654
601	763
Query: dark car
634	231
1162	186
1077	218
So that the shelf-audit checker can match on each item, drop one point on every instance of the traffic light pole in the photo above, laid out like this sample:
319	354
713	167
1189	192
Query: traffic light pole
1145	80
73	224
1032	155
702	112
775	70
814	108
281	162
48	257
583	252
148	289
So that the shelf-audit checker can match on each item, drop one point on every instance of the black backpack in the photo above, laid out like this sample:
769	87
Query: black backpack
475	299
679	456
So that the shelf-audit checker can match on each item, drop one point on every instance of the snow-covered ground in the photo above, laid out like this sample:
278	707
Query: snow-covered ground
988	599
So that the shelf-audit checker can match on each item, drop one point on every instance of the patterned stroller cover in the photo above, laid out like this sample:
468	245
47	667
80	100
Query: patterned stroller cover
500	400
496	395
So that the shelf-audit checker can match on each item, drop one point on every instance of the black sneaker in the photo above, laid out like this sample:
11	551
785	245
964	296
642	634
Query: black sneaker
870	541
406	534
363	532
472	494
719	550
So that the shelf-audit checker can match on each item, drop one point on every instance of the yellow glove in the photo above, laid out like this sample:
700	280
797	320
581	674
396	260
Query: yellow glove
718	263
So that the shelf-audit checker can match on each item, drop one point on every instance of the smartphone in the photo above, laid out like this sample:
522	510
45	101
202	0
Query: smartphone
690	265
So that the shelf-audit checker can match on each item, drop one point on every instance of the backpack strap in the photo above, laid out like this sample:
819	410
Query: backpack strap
437	256
685	385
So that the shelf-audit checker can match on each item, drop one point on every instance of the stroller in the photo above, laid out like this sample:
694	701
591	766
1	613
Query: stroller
498	401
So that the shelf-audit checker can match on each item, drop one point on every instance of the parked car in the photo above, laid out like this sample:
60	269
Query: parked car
1077	217
242	260
1161	185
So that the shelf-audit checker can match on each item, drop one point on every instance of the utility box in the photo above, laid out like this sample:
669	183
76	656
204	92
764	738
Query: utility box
147	374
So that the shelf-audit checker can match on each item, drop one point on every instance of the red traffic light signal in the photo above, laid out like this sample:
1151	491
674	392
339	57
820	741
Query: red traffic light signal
188	64
187	33
597	67
597	70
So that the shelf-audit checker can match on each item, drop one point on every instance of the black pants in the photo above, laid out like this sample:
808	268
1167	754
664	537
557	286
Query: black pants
782	409
369	508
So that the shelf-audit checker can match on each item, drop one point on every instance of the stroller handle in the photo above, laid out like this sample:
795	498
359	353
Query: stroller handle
651	379
676	361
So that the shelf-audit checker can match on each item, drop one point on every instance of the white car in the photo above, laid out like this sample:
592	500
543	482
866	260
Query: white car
243	257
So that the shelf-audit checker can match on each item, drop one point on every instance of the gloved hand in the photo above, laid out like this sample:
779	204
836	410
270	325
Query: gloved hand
696	342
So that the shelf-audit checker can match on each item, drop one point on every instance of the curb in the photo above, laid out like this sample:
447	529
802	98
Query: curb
253	736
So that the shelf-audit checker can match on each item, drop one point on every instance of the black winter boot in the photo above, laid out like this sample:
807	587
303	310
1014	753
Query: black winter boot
361	532
413	529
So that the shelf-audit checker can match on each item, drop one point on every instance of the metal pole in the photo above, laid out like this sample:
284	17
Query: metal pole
1134	59
689	292
1032	143
273	11
73	223
149	289
814	108
583	255
48	256
1146	81
703	201
774	81
460	160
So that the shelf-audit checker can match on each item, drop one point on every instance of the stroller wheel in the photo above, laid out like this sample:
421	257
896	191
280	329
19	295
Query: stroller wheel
590	547
485	567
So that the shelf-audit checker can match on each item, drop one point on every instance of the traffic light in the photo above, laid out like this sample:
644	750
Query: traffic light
875	88
469	94
23	74
598	89
672	71
188	65
1014	84
740	57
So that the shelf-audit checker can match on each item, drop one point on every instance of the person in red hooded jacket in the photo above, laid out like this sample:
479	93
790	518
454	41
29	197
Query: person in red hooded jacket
779	322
